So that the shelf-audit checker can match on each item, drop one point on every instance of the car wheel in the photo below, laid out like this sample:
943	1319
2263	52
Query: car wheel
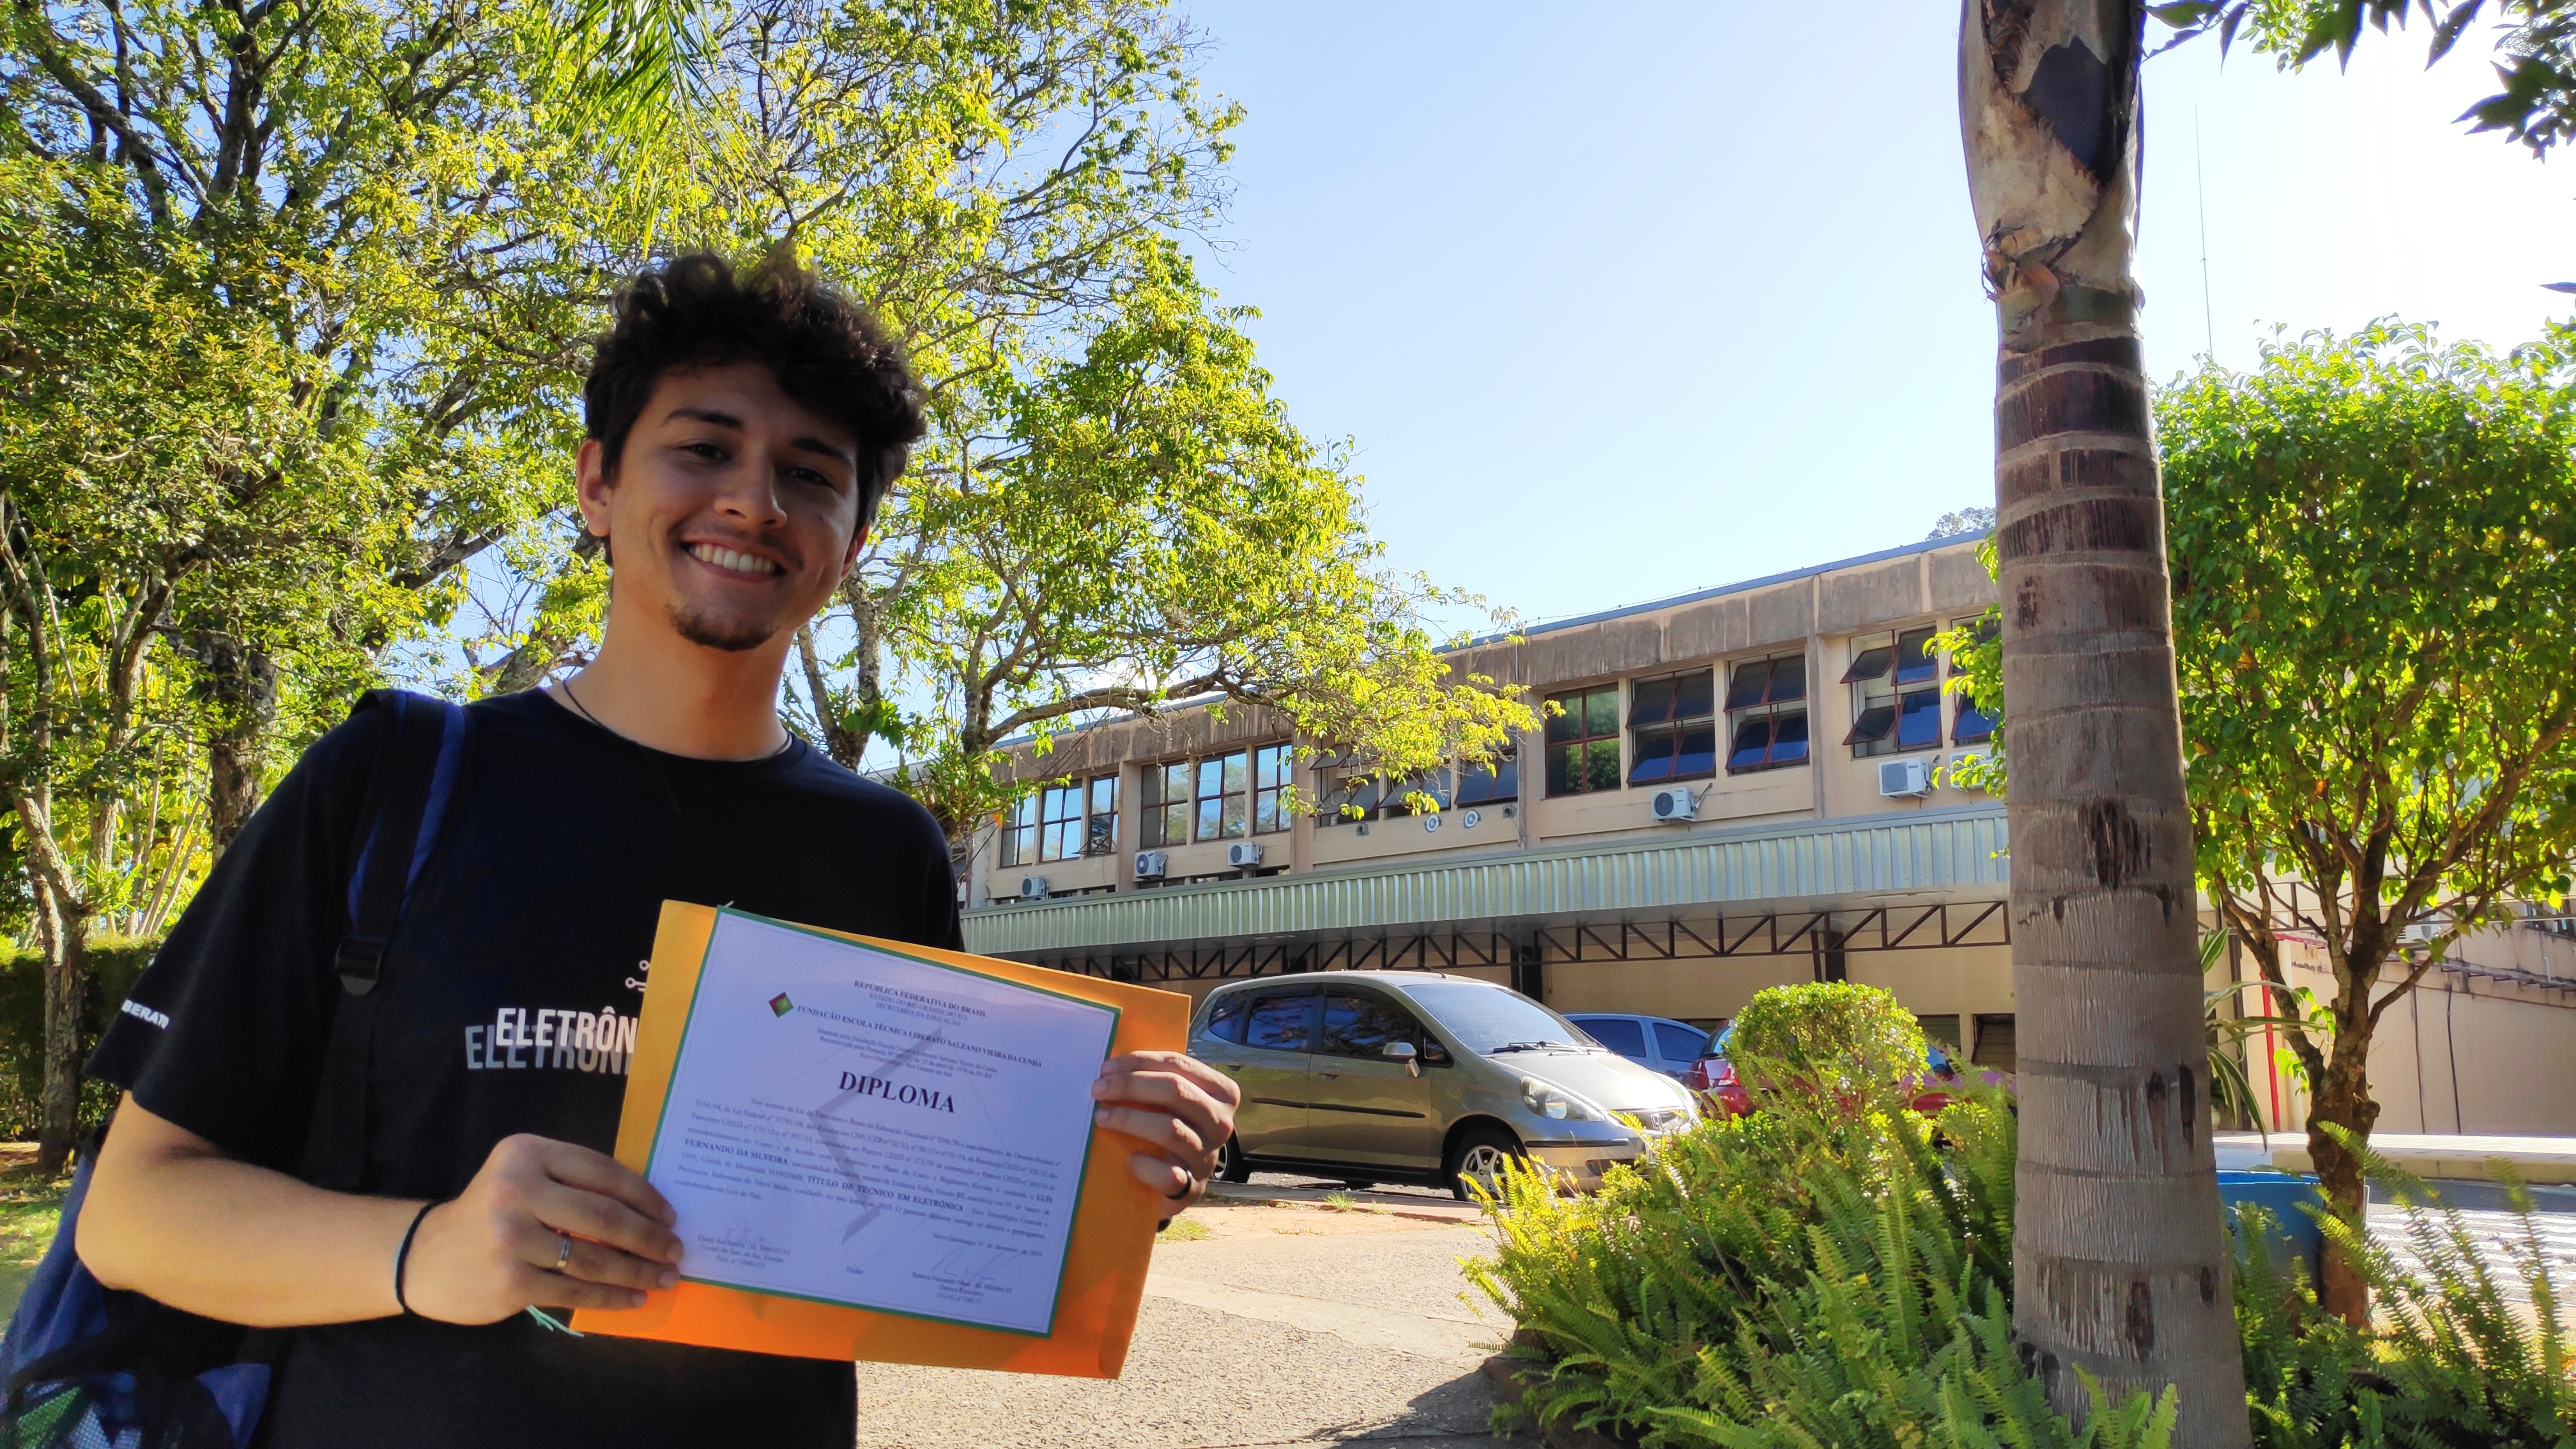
1230	1165
1480	1157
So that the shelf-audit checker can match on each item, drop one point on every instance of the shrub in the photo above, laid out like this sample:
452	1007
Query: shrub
1796	1277
114	964
1851	1043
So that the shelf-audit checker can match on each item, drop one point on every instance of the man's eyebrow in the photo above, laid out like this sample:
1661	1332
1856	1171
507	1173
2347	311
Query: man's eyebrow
705	415
711	416
828	450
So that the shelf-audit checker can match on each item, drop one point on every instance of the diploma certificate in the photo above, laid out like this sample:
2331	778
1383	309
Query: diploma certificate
855	1126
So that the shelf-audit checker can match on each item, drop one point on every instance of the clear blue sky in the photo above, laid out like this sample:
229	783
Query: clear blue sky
1616	302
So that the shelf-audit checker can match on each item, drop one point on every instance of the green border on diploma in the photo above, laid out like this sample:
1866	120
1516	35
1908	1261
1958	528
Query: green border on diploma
679	1055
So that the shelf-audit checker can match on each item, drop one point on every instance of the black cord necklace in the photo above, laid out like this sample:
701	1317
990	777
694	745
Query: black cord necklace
566	686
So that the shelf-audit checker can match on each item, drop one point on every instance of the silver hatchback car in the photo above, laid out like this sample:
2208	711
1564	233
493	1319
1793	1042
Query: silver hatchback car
1416	1077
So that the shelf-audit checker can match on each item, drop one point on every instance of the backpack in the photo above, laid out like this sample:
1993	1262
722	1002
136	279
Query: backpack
90	1367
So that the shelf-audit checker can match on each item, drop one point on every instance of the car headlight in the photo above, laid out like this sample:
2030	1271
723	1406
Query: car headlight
1659	1120
1557	1104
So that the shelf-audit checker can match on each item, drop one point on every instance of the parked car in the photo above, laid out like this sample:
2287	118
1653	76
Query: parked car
1713	1077
1657	1043
1721	1090
1419	1077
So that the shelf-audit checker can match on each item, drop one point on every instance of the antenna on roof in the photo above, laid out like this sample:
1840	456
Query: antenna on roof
2200	183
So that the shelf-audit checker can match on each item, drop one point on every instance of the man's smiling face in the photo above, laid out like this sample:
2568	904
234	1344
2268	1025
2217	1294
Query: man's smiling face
735	508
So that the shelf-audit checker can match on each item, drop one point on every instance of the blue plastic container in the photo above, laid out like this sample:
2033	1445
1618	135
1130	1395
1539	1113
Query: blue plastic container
2294	1231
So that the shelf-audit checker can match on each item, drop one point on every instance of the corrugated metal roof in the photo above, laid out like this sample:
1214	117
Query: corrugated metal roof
1837	860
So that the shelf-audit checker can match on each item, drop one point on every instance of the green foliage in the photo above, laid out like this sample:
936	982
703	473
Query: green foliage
2373	544
2535	47
1158	531
1836	1039
2452	1358
2375	617
1789	1278
1976	650
115	962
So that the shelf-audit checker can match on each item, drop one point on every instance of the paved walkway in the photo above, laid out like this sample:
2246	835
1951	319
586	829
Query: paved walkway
1288	1325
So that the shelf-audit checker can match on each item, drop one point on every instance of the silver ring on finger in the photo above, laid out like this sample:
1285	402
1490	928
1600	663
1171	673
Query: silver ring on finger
563	1251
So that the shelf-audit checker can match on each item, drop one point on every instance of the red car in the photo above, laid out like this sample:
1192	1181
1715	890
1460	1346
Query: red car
1713	1077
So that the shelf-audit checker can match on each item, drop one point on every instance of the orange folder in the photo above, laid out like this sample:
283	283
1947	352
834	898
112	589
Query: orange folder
1113	1219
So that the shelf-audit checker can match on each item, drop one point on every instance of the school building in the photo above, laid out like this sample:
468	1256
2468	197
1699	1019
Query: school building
1743	788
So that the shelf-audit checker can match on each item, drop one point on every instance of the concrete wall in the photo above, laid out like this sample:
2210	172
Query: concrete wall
1962	982
2459	1054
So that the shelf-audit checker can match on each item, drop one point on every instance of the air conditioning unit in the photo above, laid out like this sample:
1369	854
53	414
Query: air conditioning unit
1676	804
1150	864
2422	932
1904	779
1243	854
1033	887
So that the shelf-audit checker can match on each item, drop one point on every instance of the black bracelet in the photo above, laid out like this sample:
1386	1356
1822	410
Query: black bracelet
402	1256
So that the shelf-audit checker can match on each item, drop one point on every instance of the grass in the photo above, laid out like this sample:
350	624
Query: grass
1184	1230
1342	1202
29	1206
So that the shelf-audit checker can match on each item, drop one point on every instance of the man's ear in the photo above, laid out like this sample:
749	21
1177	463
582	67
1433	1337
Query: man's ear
591	486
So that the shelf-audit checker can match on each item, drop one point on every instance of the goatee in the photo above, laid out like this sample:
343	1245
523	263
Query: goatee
716	632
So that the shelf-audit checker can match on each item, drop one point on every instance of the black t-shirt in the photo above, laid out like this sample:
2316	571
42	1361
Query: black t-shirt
511	988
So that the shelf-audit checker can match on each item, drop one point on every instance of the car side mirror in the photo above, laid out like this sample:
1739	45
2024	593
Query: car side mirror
1402	1051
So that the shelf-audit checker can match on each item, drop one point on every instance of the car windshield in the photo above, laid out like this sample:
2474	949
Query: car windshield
1487	1021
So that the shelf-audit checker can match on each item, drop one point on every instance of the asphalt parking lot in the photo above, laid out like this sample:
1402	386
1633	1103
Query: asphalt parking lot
1286	1325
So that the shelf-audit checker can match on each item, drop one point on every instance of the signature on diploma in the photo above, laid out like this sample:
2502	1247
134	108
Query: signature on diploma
973	1265
742	1245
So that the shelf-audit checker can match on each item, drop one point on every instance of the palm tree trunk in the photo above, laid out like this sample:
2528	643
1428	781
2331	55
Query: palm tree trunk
2120	1262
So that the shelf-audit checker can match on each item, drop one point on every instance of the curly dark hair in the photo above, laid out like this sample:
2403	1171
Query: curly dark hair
827	351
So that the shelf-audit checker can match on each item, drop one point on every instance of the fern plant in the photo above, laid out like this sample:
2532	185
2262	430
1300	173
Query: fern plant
1790	1278
2451	1359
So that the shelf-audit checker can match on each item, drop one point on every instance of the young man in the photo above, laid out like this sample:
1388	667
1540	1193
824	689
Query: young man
741	431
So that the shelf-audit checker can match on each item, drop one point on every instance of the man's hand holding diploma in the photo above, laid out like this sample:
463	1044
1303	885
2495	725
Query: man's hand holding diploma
1180	1105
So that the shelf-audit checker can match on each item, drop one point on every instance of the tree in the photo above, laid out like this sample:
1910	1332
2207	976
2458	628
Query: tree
2377	602
2537	41
1153	530
147	453
2120	1264
984	176
337	257
392	191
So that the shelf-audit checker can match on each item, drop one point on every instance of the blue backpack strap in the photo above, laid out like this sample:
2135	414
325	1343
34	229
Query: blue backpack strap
421	749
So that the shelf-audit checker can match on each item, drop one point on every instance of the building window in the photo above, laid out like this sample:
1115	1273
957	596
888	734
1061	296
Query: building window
1270	781
1674	718
1222	790
1433	782
1020	832
1060	821
1896	694
1766	714
1970	725
1100	833
1350	799
1167	804
1583	741
1078	819
1490	784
